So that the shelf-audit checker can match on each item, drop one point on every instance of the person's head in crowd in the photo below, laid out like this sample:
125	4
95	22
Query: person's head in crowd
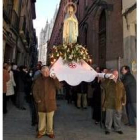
110	71
38	67
23	68
97	69
4	65
115	75
40	63
125	70
14	67
8	67
30	72
18	68
105	70
45	71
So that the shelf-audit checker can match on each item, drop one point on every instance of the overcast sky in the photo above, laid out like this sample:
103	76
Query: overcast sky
44	10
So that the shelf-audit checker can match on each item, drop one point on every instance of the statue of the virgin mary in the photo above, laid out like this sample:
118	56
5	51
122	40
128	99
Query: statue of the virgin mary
73	73
70	27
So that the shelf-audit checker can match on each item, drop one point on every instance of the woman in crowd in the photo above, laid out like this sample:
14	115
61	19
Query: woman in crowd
10	85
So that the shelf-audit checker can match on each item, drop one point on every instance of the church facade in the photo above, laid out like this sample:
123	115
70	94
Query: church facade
44	38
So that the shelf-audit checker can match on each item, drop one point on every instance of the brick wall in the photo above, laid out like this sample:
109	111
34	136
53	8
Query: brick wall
89	16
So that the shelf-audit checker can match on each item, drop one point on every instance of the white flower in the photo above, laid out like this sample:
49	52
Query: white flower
80	46
65	46
82	52
70	57
76	48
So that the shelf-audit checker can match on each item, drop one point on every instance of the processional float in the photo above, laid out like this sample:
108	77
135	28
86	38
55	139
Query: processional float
70	60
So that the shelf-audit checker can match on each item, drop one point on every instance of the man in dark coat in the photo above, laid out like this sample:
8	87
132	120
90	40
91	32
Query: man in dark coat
130	87
21	79
96	100
82	93
44	92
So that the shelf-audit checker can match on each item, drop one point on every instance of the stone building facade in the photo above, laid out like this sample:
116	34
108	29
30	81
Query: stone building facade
44	38
19	36
129	34
101	30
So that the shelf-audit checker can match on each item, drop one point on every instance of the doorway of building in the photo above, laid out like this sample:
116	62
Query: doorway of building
102	39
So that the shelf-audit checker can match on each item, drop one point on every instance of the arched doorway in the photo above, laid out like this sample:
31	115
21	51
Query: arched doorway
102	39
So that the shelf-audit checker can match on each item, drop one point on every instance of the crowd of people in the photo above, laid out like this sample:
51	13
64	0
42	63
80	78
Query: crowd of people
108	97
17	87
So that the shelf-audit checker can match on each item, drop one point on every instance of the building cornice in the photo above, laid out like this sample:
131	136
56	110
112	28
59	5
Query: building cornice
129	10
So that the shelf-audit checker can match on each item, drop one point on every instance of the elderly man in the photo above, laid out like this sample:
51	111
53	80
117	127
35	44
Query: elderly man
44	92
114	99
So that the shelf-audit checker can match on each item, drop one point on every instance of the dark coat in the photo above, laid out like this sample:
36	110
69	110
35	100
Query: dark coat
21	80
130	87
44	90
96	100
15	74
28	84
82	88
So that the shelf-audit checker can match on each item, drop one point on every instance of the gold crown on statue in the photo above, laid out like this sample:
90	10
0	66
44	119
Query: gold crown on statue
70	4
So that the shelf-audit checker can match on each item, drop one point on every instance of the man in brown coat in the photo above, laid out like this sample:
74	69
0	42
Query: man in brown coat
44	92
6	78
112	102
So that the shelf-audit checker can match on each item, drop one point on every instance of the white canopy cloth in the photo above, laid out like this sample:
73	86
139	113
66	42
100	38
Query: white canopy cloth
73	73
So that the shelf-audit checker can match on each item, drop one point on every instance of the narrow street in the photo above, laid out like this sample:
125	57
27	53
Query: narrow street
70	124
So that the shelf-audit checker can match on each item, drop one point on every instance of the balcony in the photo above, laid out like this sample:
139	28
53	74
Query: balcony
7	13
15	21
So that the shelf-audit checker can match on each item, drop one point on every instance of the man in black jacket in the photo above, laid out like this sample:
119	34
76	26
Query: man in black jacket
82	93
130	87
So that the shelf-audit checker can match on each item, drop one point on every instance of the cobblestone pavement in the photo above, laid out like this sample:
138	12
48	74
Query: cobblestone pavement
70	124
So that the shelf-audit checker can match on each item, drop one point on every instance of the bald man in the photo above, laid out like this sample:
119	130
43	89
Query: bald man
44	92
114	99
